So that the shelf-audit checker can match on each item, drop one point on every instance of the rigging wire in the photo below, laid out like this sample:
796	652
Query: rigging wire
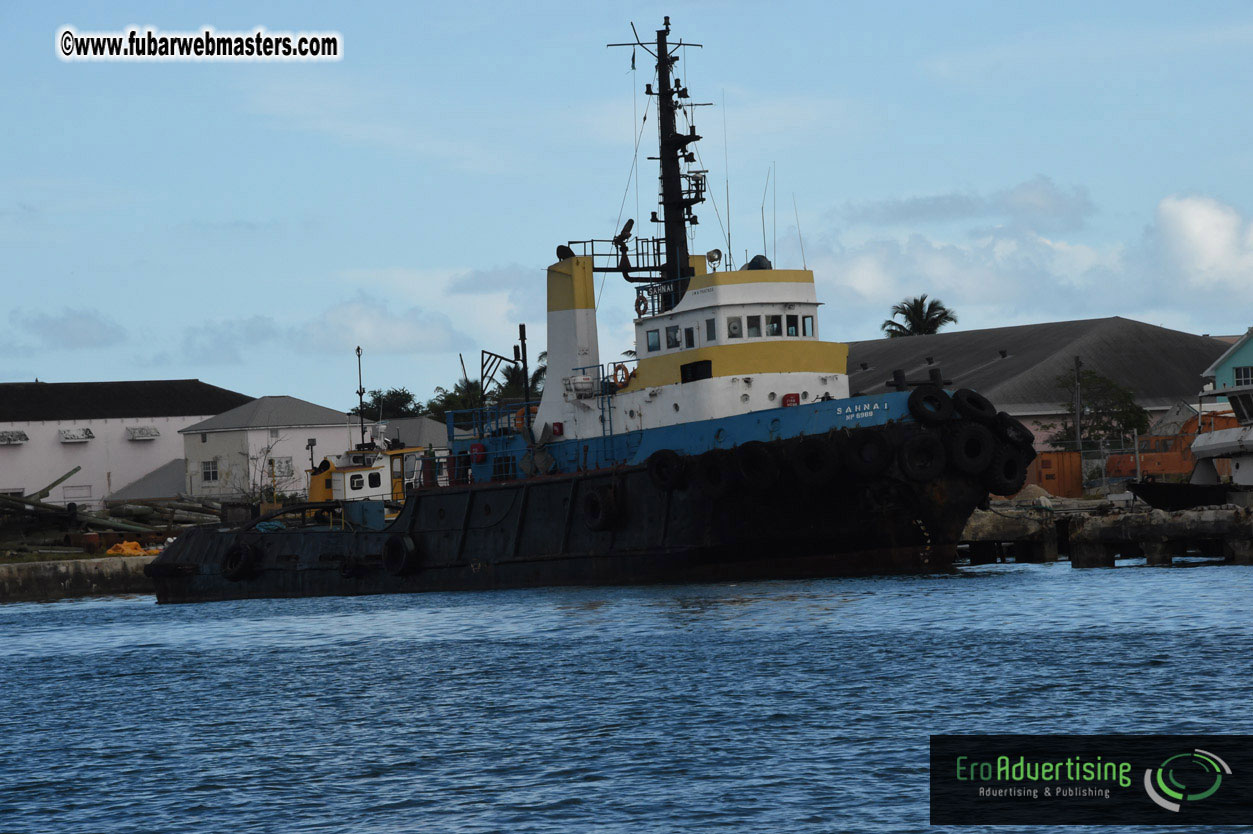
626	191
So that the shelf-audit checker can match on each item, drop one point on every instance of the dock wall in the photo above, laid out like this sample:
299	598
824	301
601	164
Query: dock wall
46	581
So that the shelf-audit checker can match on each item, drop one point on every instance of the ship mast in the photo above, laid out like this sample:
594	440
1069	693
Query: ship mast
680	190
675	207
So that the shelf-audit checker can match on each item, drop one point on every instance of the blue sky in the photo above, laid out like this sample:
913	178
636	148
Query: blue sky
249	224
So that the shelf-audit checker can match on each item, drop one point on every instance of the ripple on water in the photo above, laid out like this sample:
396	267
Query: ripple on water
715	707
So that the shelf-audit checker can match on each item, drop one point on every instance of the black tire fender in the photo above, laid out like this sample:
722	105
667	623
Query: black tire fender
1007	473
930	404
922	457
974	406
815	460
719	472
1012	429
759	466
971	446
600	508
868	452
667	469
241	561
400	555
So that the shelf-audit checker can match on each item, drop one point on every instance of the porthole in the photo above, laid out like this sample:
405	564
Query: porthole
772	396
676	406
743	398
804	395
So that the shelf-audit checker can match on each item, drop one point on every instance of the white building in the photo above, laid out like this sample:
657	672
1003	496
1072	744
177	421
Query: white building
263	446
114	432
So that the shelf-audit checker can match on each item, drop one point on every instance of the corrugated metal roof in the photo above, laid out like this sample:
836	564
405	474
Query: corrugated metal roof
1162	367
36	401
271	412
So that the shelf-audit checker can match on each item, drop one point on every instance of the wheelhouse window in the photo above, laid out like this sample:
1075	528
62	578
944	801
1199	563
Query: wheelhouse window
793	326
807	326
1243	375
774	325
735	328
356	482
654	341
672	337
711	330
376	480
689	337
754	327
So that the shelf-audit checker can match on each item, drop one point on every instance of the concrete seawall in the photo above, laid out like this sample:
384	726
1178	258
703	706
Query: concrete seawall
46	581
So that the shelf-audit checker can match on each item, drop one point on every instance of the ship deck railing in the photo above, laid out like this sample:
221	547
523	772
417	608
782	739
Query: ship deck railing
497	420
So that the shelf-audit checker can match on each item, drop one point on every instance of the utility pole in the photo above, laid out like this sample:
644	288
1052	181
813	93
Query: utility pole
1078	408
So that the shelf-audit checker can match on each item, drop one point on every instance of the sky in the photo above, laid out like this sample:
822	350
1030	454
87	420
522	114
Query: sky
249	224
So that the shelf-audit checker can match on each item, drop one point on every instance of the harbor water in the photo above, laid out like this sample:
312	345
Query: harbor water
772	706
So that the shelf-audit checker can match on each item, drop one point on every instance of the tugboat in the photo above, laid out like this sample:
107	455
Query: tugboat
730	449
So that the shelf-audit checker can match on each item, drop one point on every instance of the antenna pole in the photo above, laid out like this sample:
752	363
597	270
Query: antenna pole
799	236
726	173
526	384
360	396
672	145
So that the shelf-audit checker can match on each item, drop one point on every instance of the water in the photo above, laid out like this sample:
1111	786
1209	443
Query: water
774	706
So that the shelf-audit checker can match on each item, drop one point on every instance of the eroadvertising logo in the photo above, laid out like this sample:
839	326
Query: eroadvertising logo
1078	780
1194	776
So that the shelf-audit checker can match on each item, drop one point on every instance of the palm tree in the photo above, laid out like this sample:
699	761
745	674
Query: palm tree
920	317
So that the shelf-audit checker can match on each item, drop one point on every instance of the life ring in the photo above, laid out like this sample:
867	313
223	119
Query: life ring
641	305
478	453
622	375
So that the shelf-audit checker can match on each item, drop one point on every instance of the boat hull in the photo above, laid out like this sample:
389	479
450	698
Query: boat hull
557	531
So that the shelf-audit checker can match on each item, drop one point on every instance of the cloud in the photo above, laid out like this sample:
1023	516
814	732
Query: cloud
1196	255
381	328
498	279
1036	204
71	329
228	342
1207	242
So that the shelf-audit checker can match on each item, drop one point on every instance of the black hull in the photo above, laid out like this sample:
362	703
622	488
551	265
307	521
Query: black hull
540	533
1172	497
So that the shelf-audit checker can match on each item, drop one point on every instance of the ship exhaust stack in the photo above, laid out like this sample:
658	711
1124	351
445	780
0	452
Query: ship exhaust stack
573	344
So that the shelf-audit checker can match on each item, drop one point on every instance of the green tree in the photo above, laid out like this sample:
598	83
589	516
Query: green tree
466	394
389	404
1110	412
919	317
509	387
